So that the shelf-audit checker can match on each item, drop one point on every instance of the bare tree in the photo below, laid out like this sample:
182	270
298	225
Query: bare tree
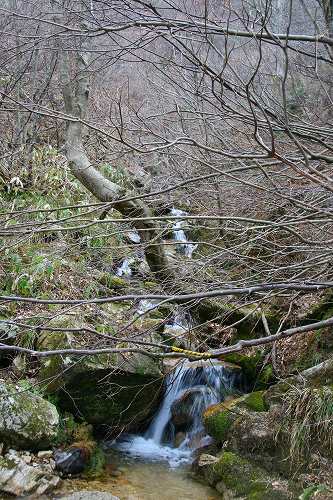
246	114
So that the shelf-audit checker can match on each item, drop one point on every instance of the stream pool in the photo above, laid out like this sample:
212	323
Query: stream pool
134	479
156	464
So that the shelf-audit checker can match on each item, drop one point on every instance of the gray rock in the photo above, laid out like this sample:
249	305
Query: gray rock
109	398
206	459
19	478
26	458
88	495
181	407
8	332
71	461
45	454
27	421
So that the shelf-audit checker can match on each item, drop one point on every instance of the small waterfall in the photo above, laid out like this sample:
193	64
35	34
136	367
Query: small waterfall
179	324
179	235
145	306
177	428
125	268
133	236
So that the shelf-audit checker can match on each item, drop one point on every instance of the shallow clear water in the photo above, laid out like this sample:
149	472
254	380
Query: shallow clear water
140	480
156	464
151	481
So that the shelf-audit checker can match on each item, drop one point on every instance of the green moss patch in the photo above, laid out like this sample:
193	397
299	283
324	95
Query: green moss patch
113	281
255	401
243	479
218	420
96	465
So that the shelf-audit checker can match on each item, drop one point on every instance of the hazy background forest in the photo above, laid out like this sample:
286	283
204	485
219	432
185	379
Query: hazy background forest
166	194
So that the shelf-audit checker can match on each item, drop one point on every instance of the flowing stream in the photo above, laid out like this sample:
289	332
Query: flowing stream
180	236
165	451
177	429
125	268
156	465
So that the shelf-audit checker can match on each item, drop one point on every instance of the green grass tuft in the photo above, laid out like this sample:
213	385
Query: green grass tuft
308	422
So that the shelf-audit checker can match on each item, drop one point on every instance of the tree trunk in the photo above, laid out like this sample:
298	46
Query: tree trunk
76	94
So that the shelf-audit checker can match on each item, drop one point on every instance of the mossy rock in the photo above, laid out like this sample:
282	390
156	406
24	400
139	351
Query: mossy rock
52	367
112	401
237	477
257	377
253	436
27	421
322	309
150	285
274	395
231	313
321	345
218	420
113	281
254	401
115	310
248	317
139	364
56	370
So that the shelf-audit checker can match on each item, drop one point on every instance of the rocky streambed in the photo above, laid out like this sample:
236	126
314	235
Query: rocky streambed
204	429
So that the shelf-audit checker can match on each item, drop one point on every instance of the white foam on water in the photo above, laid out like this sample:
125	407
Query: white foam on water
148	449
125	268
133	236
207	384
145	306
178	325
180	236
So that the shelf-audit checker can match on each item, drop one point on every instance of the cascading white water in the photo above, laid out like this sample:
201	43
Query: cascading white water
191	387
145	306
125	268
133	236
179	234
178	325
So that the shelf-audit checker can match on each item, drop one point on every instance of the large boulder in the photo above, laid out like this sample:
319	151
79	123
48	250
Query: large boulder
27	421
19	478
273	433
236	477
57	371
54	371
244	426
268	428
112	398
219	419
107	390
